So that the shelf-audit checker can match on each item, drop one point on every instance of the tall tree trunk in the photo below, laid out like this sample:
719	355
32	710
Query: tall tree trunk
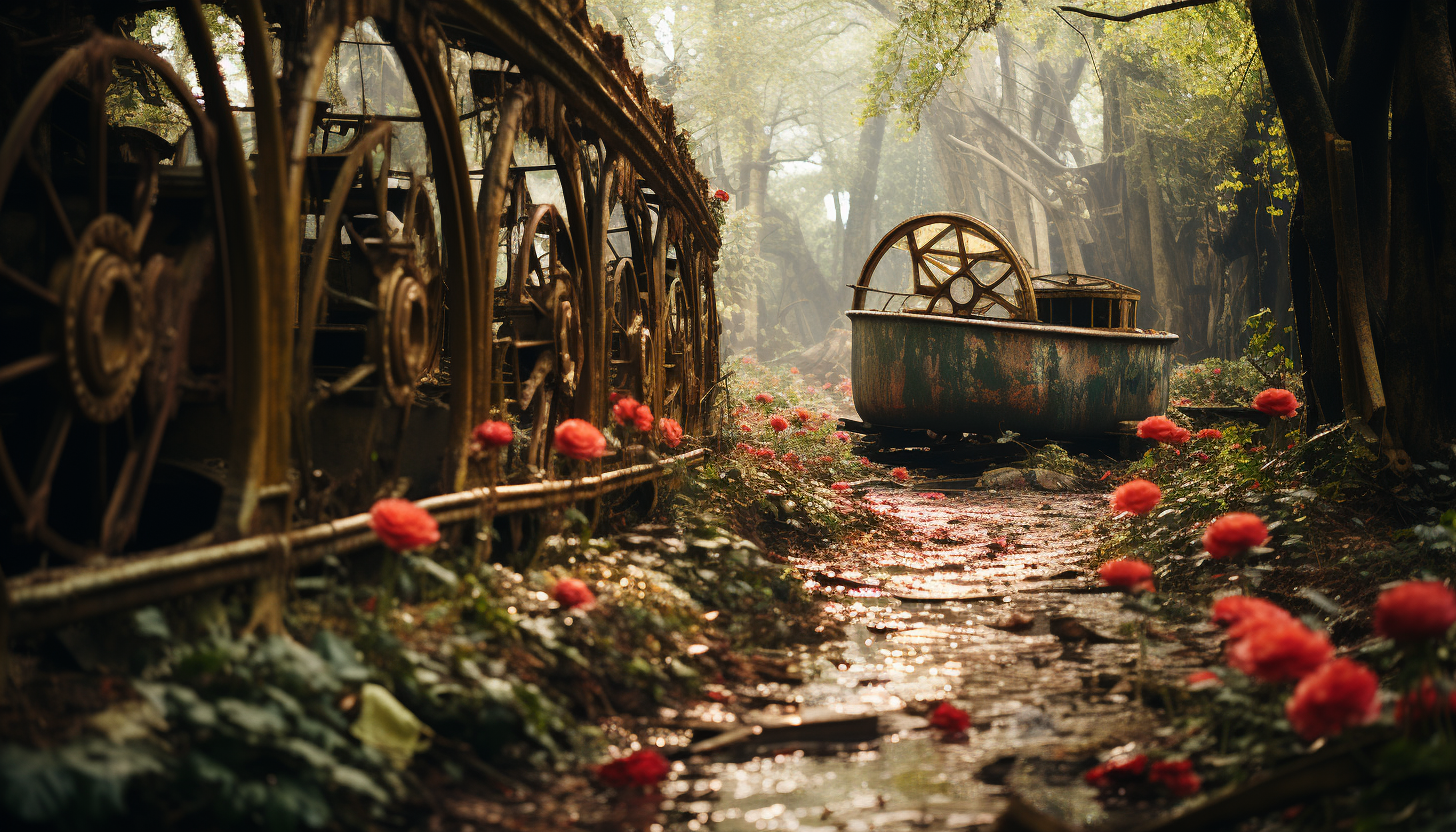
857	229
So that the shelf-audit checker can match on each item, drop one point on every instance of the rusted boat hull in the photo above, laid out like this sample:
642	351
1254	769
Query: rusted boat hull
961	375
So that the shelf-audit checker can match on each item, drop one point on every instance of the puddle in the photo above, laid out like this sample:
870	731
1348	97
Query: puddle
1041	704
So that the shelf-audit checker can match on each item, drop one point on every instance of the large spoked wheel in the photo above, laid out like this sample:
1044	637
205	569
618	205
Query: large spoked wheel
679	368
371	318
632	373
946	264
106	246
542	332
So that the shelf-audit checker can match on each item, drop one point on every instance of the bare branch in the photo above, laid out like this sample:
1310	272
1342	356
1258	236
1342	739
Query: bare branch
1130	16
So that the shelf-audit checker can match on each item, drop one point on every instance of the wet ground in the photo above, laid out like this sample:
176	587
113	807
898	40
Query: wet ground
1045	668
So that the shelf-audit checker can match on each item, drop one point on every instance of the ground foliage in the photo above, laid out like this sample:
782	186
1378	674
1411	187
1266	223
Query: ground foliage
1343	527
409	680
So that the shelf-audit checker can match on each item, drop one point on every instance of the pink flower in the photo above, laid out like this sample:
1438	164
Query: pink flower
1415	611
1276	402
1234	533
950	719
1128	574
841	436
642	769
672	432
1340	694
1136	497
578	439
572	593
779	424
403	526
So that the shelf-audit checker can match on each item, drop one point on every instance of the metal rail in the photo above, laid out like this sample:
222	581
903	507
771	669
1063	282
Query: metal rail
55	597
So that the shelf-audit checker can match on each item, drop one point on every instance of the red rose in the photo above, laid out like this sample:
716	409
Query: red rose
1424	702
803	415
1117	771
642	768
1335	696
672	432
1280	650
403	526
642	419
766	454
1162	429
1415	610
1136	497
790	457
625	409
578	439
1216	370
1241	614
950	719
900	474
572	593
720	194
1177	776
489	435
1233	533
1127	574
841	486
1202	679
763	398
1276	402
1210	433
779	424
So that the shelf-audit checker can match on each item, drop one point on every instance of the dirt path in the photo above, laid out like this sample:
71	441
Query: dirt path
1043	699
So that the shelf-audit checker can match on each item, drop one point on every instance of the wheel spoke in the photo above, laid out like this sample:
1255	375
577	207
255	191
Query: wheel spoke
142	199
100	82
45	471
52	197
28	285
26	366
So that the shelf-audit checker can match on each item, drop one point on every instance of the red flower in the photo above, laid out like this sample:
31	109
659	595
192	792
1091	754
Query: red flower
827	385
743	426
763	398
1162	429
1117	771
1280	650
490	434
779	424
1415	610
642	419
625	410
1339	694
1276	402
933	495
1177	775
1136	497
403	526
1202	678
578	439
1216	370
1424	702
1241	614
672	432
900	474
572	593
790	457
642	768
1210	433
841	436
720	194
744	446
1233	533
803	415
841	486
864	460
766	454
1127	574
950	719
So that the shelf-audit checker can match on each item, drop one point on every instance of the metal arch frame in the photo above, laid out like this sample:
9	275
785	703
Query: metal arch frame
1024	310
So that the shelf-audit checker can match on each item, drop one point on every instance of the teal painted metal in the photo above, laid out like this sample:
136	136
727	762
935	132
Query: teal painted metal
978	375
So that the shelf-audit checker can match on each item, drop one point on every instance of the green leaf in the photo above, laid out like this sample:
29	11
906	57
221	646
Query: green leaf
34	785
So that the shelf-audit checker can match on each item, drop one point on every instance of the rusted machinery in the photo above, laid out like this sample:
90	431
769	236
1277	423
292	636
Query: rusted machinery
265	262
952	333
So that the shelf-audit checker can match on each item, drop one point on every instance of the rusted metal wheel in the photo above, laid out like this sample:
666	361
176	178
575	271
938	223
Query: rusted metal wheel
541	331
109	244
630	339
947	264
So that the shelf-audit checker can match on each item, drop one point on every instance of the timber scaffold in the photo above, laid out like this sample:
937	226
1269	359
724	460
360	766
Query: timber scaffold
264	262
